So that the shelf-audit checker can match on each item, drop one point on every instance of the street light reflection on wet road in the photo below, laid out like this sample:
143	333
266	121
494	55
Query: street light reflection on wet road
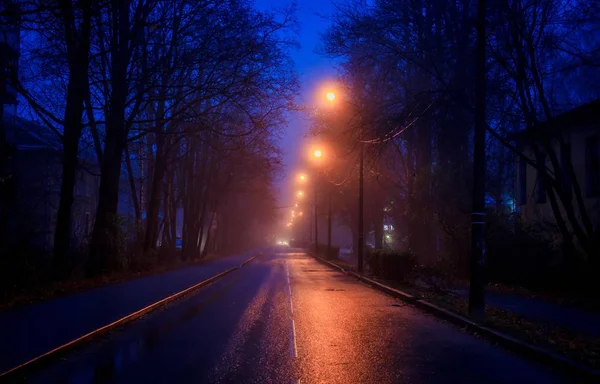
286	318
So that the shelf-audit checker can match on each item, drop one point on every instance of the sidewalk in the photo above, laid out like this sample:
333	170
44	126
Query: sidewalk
575	319
30	331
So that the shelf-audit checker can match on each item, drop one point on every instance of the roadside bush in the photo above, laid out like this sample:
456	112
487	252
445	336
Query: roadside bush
438	275
21	268
390	264
373	263
322	252
334	253
116	237
527	255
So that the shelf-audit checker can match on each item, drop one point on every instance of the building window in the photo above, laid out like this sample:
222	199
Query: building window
522	180
592	166
540	190
565	163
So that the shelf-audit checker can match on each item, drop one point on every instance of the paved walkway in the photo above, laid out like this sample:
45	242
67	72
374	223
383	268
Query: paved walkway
542	310
575	319
30	331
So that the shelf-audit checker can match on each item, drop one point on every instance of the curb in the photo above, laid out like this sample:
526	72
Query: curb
59	351
534	352
249	260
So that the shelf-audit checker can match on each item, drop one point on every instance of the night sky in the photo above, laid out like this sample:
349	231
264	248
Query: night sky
313	70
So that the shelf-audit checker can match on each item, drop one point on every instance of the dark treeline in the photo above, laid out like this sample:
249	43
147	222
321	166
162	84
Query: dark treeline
172	105
408	84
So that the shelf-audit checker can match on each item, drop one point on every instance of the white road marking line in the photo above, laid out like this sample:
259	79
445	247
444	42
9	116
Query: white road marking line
293	335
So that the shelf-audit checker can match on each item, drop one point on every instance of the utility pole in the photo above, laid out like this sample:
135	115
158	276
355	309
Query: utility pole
329	226
361	234
477	283
307	227
316	221
309	223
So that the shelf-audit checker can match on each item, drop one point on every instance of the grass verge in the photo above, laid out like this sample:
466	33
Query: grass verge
54	289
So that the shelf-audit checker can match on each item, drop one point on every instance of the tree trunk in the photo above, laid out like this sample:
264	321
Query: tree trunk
173	210
412	201
166	232
134	196
72	134
154	203
169	231
209	237
378	230
187	201
106	231
500	179
78	46
4	156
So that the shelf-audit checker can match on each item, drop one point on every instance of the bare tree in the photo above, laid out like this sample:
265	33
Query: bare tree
413	64
176	94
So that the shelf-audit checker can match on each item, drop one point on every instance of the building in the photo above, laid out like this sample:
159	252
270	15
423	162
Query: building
9	50
33	191
574	137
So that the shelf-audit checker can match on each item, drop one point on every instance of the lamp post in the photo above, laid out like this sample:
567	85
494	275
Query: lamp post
316	224
302	179
477	281
329	225
317	155
361	232
331	97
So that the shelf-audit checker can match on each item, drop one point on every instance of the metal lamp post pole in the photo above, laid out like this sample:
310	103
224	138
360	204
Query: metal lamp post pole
477	280
361	234
307	235
329	226
316	223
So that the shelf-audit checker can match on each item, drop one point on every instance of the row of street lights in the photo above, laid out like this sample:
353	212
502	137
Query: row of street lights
477	283
317	155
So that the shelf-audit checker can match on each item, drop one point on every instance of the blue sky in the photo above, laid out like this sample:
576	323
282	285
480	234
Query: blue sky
313	70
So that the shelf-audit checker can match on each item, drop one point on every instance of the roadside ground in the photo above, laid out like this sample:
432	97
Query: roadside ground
563	329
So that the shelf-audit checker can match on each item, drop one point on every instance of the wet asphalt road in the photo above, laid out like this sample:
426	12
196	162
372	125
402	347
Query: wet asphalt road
24	331
286	318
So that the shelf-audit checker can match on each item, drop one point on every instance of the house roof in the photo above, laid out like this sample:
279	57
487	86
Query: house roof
26	134
578	117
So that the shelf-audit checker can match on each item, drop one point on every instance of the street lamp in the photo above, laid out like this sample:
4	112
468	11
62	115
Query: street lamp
330	96
317	155
301	178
